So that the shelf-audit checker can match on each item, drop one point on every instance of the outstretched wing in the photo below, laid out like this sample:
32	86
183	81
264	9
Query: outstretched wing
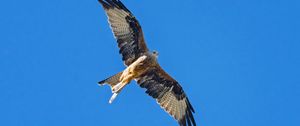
169	95
126	30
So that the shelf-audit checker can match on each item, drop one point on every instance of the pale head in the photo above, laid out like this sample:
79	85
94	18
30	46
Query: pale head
155	53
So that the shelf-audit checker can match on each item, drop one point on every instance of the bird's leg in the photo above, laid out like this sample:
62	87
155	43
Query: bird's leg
116	90
128	72
112	98
125	78
127	75
118	87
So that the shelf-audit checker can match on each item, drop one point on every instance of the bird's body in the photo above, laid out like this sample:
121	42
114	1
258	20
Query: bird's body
133	71
142	65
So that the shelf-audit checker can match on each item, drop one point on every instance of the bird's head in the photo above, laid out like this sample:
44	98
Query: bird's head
155	53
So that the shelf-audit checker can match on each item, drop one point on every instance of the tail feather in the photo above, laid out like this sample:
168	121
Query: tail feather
102	82
113	80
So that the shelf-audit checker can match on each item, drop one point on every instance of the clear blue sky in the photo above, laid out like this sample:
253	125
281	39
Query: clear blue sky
238	61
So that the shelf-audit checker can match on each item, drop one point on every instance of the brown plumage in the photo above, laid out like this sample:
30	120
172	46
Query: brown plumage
142	65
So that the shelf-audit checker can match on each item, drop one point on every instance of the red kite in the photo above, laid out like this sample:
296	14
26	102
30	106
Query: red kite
142	65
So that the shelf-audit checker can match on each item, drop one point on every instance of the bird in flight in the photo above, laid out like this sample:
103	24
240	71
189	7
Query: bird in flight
142	66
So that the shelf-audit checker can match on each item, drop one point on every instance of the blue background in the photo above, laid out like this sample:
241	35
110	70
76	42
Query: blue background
238	61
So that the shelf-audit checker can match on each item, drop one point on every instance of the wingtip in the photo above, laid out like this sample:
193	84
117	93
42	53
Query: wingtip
190	118
190	105
101	1
112	4
104	4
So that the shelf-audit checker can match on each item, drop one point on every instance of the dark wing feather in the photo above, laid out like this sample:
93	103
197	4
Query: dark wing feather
126	30
169	95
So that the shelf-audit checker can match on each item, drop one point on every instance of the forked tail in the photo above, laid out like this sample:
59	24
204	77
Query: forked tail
112	82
